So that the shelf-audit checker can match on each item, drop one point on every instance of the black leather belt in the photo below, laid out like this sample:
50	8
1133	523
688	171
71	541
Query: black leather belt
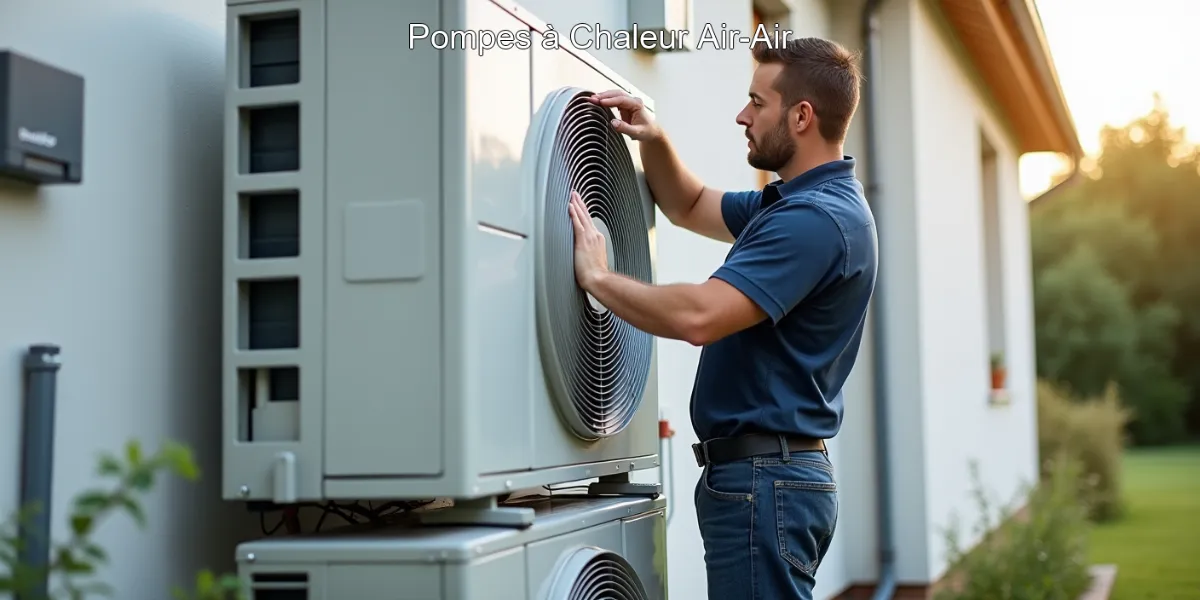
721	450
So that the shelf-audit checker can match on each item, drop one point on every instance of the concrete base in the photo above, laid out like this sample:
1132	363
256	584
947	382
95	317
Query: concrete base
1103	579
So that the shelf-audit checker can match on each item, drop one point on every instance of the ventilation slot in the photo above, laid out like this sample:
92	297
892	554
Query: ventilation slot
274	50
269	407
597	365
271	225
280	586
591	573
274	142
272	309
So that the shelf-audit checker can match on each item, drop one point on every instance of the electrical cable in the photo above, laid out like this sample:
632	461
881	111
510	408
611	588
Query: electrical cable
351	514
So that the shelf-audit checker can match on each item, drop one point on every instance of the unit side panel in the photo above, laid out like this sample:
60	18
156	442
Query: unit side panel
499	322
645	538
273	270
499	327
554	445
494	576
648	206
643	431
383	396
457	225
383	582
645	425
498	116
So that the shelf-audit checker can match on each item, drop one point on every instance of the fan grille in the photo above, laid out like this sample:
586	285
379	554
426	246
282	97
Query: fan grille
595	574
597	365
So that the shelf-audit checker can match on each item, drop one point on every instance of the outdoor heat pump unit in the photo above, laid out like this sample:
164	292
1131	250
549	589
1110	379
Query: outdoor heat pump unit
402	319
582	549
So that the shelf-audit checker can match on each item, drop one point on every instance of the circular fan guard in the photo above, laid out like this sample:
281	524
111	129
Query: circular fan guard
597	366
590	573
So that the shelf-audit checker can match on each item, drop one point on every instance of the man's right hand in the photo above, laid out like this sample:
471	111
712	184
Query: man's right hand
683	198
635	120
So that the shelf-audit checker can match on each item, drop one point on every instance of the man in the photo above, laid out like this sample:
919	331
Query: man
780	321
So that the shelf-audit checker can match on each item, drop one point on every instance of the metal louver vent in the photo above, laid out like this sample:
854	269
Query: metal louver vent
596	365
280	586
590	573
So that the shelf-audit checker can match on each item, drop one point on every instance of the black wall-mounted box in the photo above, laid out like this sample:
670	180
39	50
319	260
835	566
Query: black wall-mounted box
41	121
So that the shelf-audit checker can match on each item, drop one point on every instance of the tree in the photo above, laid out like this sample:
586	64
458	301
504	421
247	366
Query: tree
1086	328
1117	292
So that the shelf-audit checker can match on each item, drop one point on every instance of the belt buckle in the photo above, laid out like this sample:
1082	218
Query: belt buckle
700	455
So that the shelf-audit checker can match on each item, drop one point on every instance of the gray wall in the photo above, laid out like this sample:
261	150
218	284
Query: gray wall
124	272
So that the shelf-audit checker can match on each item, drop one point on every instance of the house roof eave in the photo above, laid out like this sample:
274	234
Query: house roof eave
1029	23
1004	42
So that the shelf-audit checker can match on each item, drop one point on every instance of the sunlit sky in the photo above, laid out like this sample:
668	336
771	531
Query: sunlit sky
1111	56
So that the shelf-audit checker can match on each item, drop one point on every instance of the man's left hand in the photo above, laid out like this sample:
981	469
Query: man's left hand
591	256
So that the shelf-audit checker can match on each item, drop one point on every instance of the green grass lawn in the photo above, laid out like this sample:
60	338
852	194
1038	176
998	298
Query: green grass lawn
1156	544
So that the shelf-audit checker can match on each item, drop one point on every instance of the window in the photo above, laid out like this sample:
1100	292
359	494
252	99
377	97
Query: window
993	257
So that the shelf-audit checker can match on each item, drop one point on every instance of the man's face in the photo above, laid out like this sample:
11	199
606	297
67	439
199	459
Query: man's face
769	138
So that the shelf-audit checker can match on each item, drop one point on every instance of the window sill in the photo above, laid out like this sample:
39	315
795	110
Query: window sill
999	397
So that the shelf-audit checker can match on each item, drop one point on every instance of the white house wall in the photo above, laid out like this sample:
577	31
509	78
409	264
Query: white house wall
124	273
959	423
896	208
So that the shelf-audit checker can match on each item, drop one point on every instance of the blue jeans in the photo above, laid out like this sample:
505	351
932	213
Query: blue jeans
766	523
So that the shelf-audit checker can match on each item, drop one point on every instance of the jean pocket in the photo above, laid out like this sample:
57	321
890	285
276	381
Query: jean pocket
728	481
806	516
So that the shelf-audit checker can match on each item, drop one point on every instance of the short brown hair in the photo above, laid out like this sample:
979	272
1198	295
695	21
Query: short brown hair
820	71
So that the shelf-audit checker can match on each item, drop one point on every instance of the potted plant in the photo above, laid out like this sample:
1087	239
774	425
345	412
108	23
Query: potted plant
999	373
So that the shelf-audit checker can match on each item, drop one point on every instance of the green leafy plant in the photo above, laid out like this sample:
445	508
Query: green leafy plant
1090	431
75	561
999	374
1035	554
209	586
997	360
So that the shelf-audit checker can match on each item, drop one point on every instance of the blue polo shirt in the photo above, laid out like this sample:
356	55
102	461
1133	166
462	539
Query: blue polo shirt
806	253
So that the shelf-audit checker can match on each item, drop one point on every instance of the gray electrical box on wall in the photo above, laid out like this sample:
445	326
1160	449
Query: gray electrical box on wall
41	121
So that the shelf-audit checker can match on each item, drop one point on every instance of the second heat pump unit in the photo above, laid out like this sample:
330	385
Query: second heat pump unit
401	314
582	549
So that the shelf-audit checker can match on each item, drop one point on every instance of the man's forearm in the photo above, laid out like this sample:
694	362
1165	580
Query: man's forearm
675	188
669	311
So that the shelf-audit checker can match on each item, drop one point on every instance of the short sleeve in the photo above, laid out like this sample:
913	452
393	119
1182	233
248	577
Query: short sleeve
788	254
738	207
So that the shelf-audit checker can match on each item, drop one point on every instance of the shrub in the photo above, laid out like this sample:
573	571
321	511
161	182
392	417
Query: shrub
1039	554
1090	431
74	562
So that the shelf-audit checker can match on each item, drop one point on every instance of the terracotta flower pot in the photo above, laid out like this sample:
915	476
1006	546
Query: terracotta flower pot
998	378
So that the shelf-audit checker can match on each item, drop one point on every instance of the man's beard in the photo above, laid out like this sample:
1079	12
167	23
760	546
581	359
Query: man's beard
774	151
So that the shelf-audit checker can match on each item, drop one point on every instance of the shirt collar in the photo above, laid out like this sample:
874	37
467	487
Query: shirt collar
809	179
